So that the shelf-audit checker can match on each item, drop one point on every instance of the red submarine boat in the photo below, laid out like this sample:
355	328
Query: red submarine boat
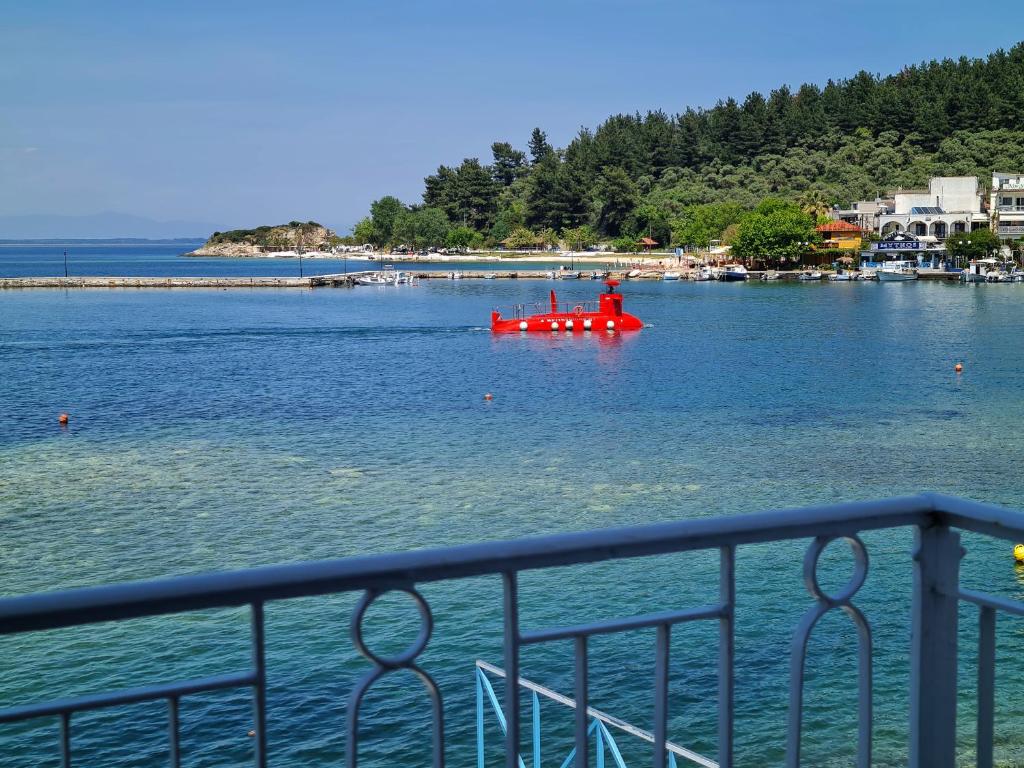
604	315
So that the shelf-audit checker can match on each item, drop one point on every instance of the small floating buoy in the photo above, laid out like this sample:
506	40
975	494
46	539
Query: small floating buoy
63	418
488	396
251	734
1018	553
958	368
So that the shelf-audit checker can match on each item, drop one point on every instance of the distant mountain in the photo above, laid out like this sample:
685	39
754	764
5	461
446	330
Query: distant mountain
100	225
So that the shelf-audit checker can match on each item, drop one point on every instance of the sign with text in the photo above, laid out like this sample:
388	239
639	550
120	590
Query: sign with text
898	245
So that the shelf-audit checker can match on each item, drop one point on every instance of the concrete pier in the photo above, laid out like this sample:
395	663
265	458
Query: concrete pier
340	280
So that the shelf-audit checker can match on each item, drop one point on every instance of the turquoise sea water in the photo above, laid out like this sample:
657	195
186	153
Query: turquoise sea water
214	430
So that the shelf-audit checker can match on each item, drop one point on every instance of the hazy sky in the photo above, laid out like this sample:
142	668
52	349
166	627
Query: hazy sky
242	113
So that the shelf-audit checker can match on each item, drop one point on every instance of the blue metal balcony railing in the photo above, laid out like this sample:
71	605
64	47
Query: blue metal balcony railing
937	596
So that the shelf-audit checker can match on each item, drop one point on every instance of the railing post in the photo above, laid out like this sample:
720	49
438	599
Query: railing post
933	669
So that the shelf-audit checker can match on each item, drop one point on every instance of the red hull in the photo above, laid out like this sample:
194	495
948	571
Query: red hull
568	322
608	317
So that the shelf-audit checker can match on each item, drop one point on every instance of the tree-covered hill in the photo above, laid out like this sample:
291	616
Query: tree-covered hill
647	174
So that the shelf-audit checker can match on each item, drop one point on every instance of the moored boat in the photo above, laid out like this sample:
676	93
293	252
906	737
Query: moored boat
896	272
809	275
733	272
671	275
604	315
843	276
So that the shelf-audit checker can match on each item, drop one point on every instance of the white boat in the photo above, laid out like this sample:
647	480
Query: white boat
977	271
897	272
454	275
386	277
598	275
671	276
374	279
809	275
490	276
633	273
769	274
733	273
703	274
843	277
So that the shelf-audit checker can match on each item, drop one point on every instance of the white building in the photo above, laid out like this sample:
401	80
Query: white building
951	204
1007	205
864	213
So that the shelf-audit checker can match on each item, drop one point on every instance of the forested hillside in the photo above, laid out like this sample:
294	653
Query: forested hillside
654	174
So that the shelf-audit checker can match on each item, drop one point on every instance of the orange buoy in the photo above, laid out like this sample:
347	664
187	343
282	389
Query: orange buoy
63	418
958	368
488	396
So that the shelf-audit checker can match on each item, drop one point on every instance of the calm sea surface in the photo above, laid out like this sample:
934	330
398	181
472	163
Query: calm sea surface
214	430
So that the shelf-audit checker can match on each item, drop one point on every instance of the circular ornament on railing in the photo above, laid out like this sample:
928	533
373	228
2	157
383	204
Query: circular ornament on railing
860	569
407	657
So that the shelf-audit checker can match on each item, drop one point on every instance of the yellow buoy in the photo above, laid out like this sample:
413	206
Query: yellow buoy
1018	553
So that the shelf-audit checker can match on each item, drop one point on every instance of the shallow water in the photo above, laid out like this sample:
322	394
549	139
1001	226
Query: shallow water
217	430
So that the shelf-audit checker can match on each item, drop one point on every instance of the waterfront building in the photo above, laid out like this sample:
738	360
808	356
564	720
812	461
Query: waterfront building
841	234
951	204
1006	205
864	213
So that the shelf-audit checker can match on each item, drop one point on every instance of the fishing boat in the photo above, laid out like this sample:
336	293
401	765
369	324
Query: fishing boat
843	276
603	315
977	271
597	274
809	275
569	275
374	279
769	274
490	276
896	272
704	274
733	272
671	276
386	277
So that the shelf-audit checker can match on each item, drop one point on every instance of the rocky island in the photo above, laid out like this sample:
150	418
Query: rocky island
284	239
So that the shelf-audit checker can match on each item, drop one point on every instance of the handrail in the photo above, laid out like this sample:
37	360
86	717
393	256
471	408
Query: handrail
597	714
937	591
88	605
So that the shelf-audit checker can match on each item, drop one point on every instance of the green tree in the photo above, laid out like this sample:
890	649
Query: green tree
775	231
467	194
521	238
648	220
509	163
362	232
616	196
539	147
700	224
815	203
462	237
579	238
383	215
421	228
978	244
